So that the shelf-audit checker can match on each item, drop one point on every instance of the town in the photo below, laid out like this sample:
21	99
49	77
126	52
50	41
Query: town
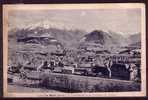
83	62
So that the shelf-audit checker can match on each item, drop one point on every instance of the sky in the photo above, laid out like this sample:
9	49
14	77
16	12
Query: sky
127	21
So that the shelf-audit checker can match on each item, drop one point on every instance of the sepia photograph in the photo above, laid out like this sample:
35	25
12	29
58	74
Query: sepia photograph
74	50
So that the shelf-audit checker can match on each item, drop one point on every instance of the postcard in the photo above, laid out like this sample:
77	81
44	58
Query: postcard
74	50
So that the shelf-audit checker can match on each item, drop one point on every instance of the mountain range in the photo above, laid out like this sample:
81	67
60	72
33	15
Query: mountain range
74	38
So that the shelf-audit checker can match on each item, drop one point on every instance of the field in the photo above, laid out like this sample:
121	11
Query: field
21	89
72	83
90	84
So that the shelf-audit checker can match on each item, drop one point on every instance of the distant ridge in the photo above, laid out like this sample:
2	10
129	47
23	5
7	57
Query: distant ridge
99	39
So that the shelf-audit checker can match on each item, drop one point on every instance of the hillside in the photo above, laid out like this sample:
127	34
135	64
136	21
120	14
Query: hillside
68	38
98	39
135	40
106	40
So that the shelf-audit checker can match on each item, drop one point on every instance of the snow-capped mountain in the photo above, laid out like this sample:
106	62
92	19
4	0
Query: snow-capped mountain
74	37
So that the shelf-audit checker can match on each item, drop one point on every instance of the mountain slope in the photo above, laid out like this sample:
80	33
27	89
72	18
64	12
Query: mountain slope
109	40
105	39
99	39
68	38
135	39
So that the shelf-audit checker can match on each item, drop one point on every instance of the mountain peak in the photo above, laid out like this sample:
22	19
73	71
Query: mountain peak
97	36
